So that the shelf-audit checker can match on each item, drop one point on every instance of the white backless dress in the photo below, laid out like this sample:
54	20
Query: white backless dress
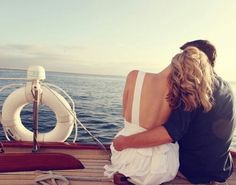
145	166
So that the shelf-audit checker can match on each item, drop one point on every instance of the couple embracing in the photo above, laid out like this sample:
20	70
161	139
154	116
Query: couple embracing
181	119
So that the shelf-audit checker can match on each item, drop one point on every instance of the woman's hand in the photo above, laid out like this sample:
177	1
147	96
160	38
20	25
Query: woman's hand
120	143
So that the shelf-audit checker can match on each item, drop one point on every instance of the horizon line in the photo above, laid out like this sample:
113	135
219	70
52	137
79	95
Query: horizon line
91	74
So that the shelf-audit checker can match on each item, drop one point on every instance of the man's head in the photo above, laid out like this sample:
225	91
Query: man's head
205	46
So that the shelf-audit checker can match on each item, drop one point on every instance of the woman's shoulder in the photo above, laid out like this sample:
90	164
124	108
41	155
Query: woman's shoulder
132	75
131	78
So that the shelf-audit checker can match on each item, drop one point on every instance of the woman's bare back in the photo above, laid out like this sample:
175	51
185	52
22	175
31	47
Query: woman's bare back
154	108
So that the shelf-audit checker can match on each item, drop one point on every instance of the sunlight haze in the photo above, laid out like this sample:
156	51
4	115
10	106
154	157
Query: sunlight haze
112	37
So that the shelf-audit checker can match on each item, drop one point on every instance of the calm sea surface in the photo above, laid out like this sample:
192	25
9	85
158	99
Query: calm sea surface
97	101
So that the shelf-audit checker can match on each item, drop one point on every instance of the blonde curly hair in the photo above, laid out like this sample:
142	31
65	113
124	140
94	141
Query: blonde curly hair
191	80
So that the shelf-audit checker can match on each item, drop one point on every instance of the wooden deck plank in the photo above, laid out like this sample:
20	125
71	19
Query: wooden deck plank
25	182
17	182
29	178
93	160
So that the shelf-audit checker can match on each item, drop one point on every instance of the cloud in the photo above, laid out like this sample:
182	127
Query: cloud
32	51
76	59
53	58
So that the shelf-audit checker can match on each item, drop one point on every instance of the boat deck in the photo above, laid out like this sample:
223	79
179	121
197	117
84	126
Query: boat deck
93	160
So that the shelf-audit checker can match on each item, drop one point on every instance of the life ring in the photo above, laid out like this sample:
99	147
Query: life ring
15	102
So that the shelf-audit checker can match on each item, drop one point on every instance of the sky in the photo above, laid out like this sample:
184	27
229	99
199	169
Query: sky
113	37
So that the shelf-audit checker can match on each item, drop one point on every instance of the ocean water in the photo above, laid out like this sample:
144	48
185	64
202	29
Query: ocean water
98	103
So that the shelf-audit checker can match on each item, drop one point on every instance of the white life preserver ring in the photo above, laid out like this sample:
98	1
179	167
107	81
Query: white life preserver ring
15	102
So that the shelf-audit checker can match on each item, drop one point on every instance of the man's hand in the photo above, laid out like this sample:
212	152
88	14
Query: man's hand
120	143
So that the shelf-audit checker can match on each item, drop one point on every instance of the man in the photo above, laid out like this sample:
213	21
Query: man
204	137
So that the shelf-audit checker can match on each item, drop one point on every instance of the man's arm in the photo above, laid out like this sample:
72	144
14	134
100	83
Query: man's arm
153	137
173	130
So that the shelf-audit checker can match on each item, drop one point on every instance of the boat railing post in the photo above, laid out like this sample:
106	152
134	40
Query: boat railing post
36	92
36	74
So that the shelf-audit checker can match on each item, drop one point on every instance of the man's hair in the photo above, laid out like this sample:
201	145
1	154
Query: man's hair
206	47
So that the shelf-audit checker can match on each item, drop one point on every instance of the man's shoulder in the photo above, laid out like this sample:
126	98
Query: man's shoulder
221	84
223	93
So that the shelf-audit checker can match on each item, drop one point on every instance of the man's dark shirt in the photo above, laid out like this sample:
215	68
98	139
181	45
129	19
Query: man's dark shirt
205	137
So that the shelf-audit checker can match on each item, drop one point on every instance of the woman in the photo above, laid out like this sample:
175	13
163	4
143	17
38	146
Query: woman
147	102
